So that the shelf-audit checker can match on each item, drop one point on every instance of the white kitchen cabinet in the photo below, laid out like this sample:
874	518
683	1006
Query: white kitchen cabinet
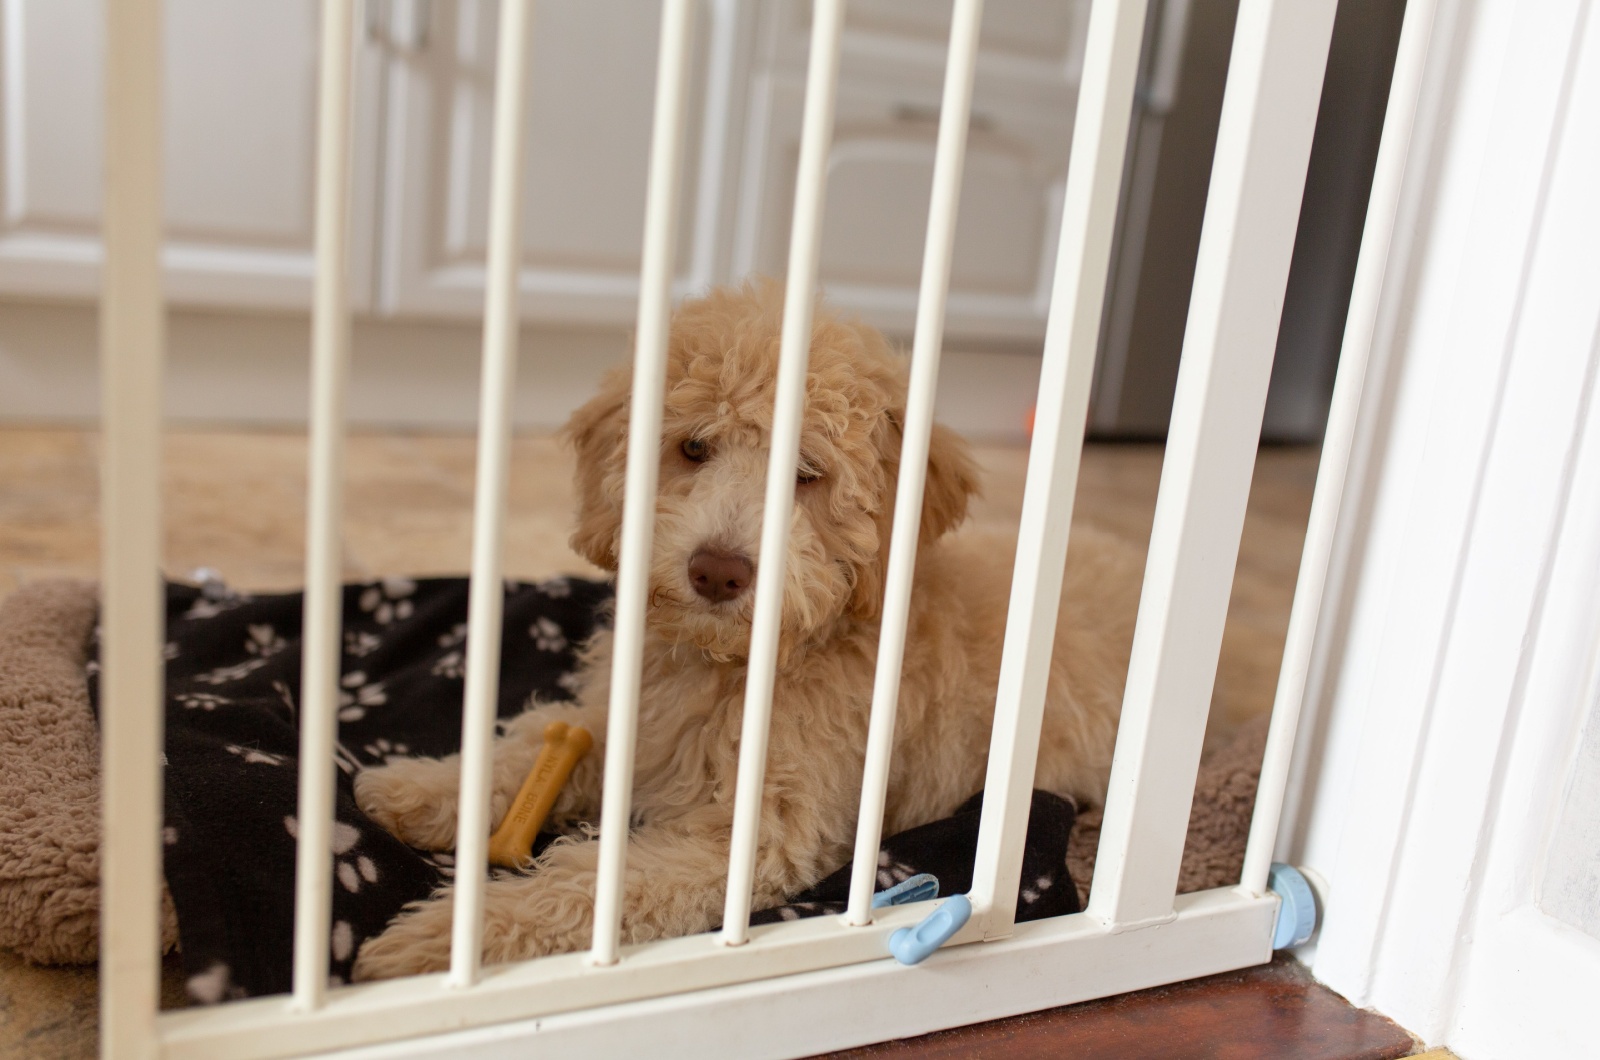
591	105
880	179
881	168
240	130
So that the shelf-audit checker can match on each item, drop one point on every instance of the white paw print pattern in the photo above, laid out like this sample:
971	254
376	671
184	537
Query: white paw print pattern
452	666
343	942
349	868
1042	884
388	600
456	636
570	681
796	910
205	607
547	636
358	694
264	641
444	861
556	588
360	643
348	763
352	873
891	872
225	674
384	750
170	650
252	756
201	700
212	985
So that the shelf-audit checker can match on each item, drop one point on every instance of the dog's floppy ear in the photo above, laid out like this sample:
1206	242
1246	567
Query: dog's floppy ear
598	433
952	481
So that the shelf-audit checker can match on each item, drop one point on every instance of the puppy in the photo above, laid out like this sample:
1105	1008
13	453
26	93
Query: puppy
721	371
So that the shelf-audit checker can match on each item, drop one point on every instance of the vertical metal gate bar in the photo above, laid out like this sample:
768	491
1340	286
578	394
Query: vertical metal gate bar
644	463
132	341
949	154
816	137
486	596
1360	323
330	359
1263	143
1083	263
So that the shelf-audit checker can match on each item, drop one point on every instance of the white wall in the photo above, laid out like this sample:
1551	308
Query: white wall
251	368
1571	887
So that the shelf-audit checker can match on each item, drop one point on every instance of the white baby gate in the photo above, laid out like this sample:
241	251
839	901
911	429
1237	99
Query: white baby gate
795	987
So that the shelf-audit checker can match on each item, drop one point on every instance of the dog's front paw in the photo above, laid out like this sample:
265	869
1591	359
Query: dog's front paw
414	799
415	942
524	917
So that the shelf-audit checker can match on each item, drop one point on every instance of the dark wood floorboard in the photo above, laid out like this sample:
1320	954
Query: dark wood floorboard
1274	1012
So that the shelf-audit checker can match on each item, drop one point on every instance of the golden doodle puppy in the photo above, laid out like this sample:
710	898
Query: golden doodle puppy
721	372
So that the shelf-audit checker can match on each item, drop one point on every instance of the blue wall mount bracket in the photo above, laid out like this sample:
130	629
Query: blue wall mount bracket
1297	910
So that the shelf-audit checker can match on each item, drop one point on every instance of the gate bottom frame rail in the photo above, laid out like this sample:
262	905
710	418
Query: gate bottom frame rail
816	984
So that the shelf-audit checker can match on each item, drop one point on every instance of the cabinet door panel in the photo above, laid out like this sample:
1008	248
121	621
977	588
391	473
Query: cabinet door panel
877	214
240	120
880	180
1028	39
1024	29
591	104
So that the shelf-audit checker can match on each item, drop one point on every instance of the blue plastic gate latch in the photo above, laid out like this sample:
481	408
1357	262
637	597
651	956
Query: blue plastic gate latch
918	888
1297	910
912	945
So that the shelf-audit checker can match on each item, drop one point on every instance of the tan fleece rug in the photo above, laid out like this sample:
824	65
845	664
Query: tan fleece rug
234	500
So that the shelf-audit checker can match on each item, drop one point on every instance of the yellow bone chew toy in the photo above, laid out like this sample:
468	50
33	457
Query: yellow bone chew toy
512	842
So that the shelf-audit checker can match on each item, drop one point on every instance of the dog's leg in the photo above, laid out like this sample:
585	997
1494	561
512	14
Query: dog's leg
415	799
674	885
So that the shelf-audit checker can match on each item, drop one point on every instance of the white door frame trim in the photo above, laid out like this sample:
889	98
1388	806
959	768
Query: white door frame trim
1450	615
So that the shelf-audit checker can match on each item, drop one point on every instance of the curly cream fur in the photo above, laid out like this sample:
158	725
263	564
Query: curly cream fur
720	386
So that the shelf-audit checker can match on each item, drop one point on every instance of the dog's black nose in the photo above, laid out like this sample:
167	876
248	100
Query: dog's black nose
719	576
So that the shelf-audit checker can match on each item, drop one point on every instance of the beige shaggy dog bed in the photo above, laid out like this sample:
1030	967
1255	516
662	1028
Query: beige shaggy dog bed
50	779
50	787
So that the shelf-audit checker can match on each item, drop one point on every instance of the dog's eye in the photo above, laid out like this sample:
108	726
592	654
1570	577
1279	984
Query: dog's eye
805	477
696	449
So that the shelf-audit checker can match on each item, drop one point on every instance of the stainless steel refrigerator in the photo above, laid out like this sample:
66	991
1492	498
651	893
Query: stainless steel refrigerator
1158	232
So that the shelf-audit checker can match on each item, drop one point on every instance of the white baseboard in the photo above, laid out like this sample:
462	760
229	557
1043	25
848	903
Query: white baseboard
252	368
238	368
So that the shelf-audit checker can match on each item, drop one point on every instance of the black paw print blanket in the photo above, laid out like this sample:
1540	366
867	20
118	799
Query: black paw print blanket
233	692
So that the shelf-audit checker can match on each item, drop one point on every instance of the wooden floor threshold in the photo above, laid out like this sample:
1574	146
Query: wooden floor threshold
1273	1012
